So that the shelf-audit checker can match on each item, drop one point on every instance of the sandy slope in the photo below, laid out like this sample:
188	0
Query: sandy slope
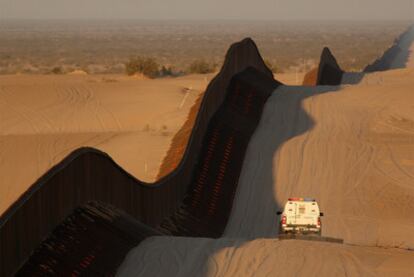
351	148
44	118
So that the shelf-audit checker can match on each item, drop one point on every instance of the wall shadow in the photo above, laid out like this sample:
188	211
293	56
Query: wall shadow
352	78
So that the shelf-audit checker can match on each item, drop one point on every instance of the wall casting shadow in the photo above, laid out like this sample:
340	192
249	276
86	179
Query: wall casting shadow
89	174
203	212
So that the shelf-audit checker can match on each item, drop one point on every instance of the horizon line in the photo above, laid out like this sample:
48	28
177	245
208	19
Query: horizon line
211	20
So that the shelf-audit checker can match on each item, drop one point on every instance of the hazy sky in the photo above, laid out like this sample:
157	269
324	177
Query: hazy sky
209	9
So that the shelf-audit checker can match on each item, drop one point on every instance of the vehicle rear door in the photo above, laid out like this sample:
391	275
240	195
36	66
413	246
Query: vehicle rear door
306	214
300	212
290	211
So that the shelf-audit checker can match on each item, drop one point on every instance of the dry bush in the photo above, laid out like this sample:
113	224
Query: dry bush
166	71
57	70
144	65
200	67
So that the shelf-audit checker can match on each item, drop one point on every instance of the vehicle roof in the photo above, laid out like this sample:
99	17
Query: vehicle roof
306	199
314	204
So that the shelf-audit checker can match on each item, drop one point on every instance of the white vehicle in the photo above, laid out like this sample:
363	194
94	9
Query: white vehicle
301	215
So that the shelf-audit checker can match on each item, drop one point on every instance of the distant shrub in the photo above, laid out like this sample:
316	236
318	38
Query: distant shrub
57	70
200	67
146	66
166	71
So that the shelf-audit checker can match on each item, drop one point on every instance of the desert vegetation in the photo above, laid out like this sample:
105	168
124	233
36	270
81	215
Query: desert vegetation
201	66
143	65
175	47
57	70
148	67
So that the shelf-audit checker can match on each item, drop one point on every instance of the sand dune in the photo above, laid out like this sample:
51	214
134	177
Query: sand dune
351	148
44	118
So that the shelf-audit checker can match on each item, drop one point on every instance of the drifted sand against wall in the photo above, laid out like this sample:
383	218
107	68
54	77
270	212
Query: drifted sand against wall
179	143
311	78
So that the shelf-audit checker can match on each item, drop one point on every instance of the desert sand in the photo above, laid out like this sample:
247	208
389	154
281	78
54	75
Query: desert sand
351	148
293	79
45	117
167	256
